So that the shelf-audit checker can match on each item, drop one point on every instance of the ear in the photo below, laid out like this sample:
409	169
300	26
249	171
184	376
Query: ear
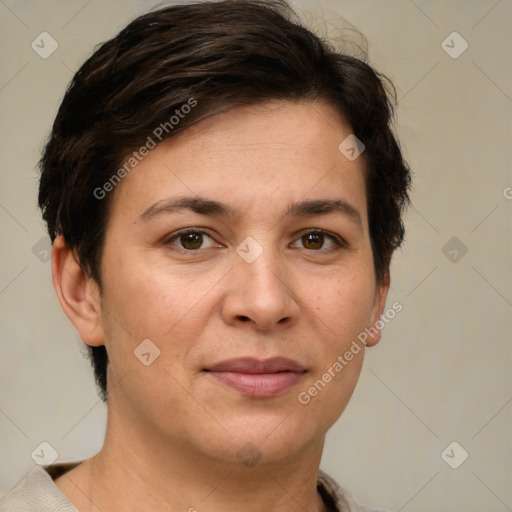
381	293
78	294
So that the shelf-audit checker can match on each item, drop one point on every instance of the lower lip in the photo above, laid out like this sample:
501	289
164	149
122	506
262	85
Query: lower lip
259	384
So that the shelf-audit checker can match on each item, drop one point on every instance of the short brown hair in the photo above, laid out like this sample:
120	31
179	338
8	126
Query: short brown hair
221	54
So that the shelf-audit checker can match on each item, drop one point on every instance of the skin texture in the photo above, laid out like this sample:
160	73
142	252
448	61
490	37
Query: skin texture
173	430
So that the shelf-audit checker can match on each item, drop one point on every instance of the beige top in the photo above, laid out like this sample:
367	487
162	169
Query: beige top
38	492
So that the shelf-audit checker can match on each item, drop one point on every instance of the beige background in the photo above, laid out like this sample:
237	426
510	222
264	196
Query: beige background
443	370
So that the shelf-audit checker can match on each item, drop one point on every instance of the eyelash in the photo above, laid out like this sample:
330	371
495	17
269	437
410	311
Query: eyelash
187	231
336	239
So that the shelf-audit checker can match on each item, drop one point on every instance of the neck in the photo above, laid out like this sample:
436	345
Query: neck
135	469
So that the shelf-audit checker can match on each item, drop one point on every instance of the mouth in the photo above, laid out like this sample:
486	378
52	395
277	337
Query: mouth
258	378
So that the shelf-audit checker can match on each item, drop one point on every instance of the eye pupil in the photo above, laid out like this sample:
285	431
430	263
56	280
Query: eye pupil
191	240
313	241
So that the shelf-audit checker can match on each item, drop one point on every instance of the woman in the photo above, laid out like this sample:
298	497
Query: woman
224	193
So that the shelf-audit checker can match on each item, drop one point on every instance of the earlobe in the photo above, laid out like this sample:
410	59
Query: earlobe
78	293
374	331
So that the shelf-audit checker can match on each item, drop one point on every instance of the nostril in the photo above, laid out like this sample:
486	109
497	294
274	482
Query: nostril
244	318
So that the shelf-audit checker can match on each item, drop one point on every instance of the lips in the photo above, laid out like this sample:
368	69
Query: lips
252	365
258	378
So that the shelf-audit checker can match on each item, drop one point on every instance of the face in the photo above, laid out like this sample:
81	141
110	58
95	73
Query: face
241	250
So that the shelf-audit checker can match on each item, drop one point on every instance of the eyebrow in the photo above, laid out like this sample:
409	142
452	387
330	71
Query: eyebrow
326	206
196	204
211	207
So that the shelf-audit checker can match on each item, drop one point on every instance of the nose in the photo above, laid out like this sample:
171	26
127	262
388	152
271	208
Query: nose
260	295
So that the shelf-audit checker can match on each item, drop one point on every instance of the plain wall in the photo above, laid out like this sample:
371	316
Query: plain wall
442	372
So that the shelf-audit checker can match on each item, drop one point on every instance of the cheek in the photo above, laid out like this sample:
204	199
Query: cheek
154	299
340	356
344	304
139	306
341	311
143	306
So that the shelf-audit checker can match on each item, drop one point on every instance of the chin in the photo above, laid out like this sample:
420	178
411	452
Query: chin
264	440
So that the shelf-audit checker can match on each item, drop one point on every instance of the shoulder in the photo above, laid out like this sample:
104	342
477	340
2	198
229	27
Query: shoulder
338	498
37	492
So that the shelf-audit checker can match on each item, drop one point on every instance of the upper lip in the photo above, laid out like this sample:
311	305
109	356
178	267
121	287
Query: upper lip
254	365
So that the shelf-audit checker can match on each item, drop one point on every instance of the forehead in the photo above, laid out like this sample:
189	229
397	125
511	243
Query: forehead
305	133
267	152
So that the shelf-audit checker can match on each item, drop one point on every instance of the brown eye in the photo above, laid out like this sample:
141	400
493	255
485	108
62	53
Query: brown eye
191	241
319	241
313	241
